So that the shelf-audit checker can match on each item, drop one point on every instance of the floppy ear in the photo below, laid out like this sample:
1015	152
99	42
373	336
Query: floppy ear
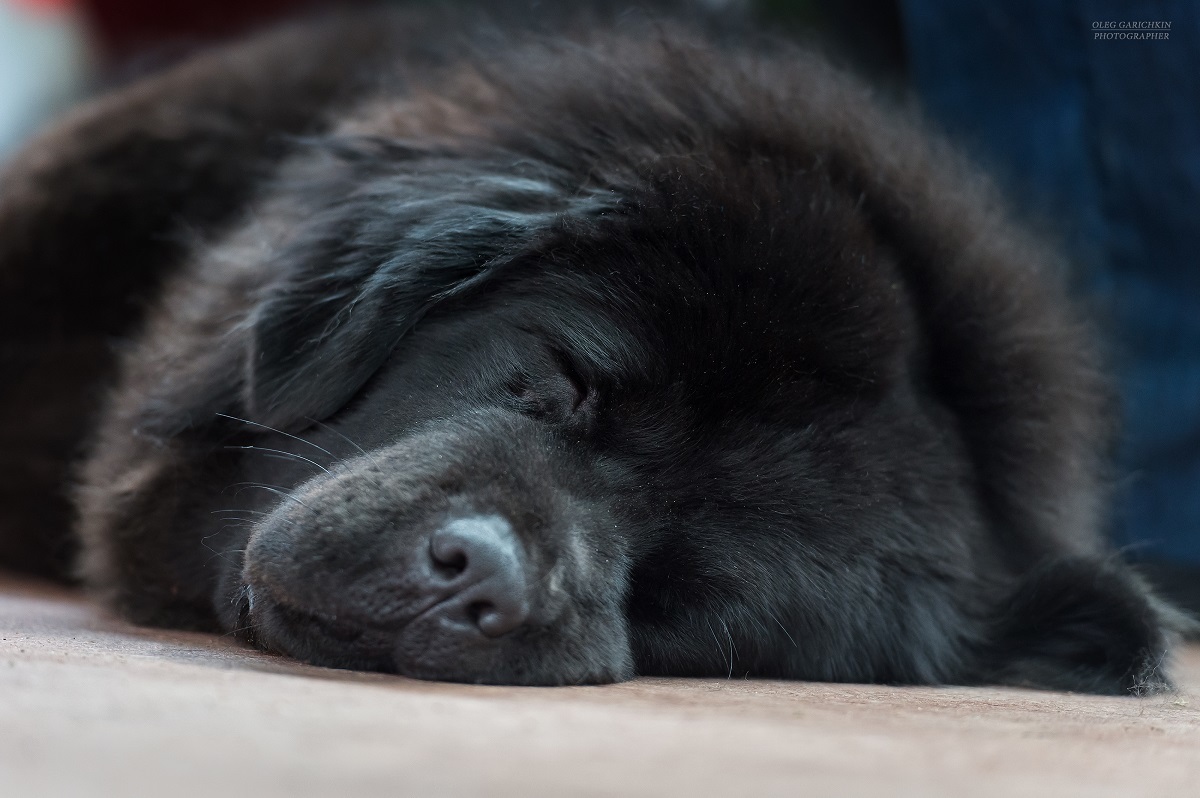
1083	625
401	244
378	233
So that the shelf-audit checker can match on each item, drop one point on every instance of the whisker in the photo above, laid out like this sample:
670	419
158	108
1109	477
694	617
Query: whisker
234	631
240	510
328	428
732	648
280	432
249	484
720	648
241	594
270	456
784	628
273	489
286	454
224	553
244	594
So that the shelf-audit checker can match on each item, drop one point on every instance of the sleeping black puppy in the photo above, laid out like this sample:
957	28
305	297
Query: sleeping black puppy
473	354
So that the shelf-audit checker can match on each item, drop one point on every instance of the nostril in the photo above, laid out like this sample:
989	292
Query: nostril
480	544
477	609
484	559
448	556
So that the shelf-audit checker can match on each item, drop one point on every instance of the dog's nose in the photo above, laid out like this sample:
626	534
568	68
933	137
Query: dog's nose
481	565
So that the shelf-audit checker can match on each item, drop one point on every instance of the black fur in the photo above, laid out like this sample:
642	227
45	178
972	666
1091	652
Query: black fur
759	374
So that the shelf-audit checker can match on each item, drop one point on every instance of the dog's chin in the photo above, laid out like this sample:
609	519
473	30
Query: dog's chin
417	649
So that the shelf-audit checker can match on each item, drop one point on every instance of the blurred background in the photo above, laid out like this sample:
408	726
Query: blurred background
1095	139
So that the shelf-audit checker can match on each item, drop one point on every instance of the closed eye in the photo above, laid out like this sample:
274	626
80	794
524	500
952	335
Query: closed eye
579	387
559	396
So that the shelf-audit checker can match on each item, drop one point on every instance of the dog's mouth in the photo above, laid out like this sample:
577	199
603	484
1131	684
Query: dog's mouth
339	631
311	636
457	589
424	646
243	629
449	606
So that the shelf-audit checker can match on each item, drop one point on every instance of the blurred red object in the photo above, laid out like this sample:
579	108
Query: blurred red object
48	5
127	27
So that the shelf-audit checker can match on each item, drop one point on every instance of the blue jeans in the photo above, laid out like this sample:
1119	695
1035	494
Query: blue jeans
1100	136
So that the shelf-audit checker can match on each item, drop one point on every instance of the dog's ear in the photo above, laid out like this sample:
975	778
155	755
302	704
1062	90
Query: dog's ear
1083	625
378	233
365	273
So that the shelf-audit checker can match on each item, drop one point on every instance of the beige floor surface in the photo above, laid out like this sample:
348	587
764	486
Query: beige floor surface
90	706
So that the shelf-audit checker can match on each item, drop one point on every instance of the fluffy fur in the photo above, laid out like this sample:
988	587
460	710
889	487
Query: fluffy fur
759	377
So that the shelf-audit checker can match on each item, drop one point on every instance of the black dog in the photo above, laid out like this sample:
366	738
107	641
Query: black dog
620	351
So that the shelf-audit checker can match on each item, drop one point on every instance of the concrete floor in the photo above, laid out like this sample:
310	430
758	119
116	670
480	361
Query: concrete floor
90	706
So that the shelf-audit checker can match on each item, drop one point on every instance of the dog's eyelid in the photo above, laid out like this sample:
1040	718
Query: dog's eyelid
560	395
570	370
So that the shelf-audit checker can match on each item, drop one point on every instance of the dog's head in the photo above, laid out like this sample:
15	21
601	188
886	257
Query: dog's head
688	423
642	358
588	430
